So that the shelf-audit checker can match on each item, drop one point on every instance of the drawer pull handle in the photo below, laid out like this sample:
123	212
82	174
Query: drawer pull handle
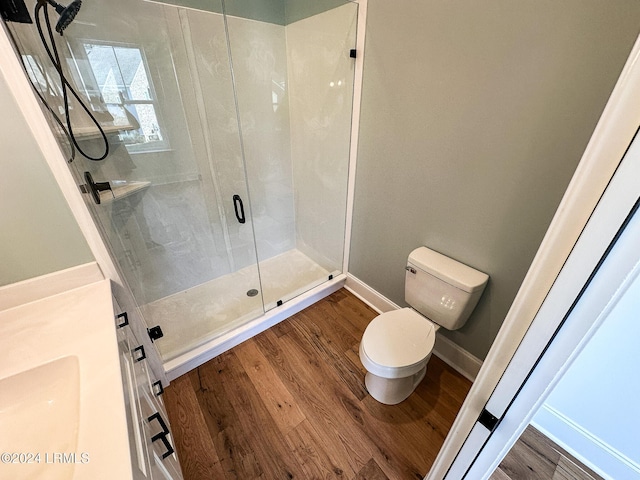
163	426
162	436
168	446
125	320
142	355
157	388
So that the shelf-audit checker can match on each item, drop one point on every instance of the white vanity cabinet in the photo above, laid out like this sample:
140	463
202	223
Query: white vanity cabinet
151	443
63	385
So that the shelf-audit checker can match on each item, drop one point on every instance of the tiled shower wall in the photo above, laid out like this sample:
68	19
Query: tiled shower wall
295	91
321	74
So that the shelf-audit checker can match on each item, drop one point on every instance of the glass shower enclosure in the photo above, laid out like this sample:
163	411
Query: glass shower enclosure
224	193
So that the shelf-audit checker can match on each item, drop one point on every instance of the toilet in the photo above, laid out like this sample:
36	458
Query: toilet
397	345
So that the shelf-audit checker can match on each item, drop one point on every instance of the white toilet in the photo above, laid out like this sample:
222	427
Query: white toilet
397	345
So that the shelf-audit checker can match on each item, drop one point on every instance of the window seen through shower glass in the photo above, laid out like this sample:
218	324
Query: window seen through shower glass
124	85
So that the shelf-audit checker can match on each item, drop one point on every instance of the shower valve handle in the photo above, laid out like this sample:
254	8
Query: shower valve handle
94	188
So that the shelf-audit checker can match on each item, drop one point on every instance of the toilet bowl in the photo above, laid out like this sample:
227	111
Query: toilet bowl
395	349
397	345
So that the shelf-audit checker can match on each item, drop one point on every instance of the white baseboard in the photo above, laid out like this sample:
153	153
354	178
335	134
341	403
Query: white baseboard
585	446
455	356
368	295
48	285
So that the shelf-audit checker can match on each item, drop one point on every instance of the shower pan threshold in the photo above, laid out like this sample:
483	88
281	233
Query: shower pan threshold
193	317
205	352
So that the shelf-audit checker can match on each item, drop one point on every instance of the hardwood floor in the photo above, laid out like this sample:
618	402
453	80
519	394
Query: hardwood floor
290	403
536	457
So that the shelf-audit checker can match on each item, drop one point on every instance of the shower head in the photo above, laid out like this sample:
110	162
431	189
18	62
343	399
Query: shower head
67	14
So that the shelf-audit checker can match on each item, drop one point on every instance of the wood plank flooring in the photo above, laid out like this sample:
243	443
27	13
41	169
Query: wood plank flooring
290	403
536	457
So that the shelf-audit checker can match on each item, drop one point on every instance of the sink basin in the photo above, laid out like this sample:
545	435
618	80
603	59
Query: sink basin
39	414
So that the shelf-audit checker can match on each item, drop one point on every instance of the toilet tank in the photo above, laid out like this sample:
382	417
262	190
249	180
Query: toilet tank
442	289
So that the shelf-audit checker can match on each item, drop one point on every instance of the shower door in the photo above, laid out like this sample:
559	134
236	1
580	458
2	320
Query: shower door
294	79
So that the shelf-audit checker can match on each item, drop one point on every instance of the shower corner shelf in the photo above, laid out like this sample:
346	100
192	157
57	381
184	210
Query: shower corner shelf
90	132
121	189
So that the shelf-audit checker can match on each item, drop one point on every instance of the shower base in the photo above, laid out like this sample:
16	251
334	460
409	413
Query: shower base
194	317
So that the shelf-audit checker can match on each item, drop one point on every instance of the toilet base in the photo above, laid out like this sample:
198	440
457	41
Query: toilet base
392	391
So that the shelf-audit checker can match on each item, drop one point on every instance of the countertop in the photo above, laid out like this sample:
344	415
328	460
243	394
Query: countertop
77	326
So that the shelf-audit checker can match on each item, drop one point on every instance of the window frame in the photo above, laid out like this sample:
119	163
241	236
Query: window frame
78	51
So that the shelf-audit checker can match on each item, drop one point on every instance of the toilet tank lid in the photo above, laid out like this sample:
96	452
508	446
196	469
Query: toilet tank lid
448	270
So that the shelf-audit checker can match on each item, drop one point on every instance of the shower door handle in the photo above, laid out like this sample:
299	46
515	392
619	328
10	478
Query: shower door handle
239	208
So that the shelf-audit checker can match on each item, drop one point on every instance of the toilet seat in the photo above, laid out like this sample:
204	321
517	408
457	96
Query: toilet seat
396	344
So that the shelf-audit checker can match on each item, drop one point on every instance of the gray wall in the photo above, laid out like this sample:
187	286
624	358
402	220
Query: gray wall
280	12
271	11
474	118
298	9
38	234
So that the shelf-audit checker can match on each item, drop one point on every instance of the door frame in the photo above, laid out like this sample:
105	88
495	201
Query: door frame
612	135
613	277
596	274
